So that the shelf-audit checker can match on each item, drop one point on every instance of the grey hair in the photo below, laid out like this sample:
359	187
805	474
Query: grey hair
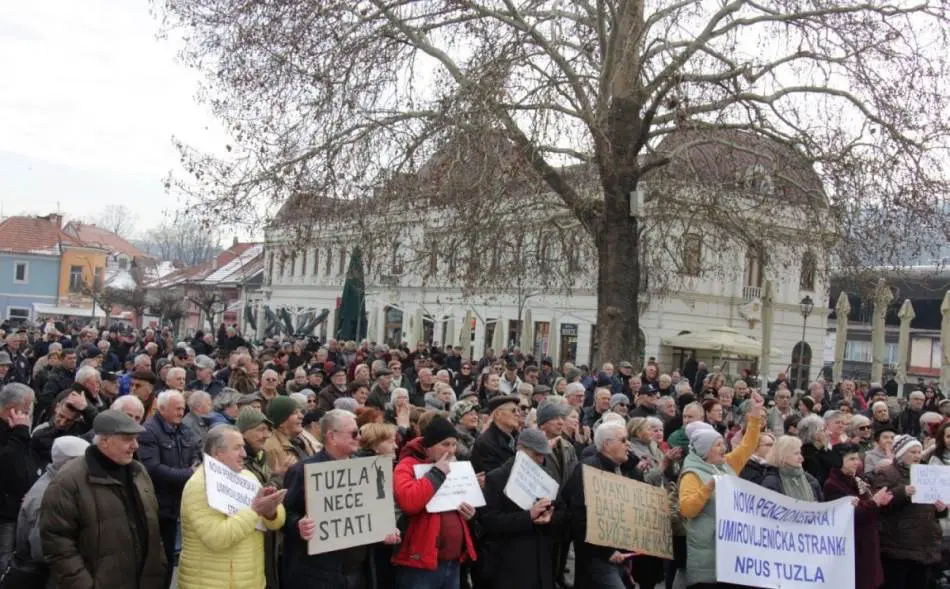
87	372
176	370
347	404
856	422
917	395
225	399
143	358
399	392
332	420
165	396
300	399
15	394
607	431
683	387
809	427
831	415
876	403
197	399
654	422
218	436
104	342
126	400
573	387
55	347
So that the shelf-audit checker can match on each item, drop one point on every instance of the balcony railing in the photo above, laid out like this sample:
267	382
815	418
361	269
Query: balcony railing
751	292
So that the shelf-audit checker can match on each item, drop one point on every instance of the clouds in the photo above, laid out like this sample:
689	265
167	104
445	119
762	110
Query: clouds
89	100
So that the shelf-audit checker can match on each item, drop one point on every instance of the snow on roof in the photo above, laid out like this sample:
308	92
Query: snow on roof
238	269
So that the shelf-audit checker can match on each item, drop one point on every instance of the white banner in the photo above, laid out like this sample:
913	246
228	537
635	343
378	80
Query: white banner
460	485
528	482
764	539
227	490
932	483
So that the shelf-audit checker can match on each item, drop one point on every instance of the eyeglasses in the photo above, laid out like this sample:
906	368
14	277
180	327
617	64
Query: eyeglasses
524	408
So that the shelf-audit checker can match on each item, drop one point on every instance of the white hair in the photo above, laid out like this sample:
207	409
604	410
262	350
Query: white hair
198	398
217	437
165	396
875	404
126	400
610	417
175	370
332	420
607	431
104	343
87	372
573	387
55	347
300	399
399	392
917	395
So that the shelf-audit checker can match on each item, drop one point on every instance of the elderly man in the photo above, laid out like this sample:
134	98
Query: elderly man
596	566
601	405
425	384
221	550
379	396
205	381
16	467
574	394
198	420
169	453
110	361
908	422
131	406
270	380
349	568
142	387
333	391
99	516
509	380
226	407
497	443
60	378
285	447
781	411
175	379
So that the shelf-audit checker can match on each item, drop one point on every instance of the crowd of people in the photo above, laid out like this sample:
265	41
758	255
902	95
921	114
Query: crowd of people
103	436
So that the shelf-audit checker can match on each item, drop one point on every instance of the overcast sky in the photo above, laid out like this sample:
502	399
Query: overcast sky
89	102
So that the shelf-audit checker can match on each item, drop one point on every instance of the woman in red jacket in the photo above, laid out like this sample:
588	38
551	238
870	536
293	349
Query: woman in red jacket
434	544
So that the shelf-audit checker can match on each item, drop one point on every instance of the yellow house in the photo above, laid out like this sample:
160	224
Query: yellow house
81	272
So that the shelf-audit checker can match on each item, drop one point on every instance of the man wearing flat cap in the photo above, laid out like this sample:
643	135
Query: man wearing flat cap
497	443
99	516
518	548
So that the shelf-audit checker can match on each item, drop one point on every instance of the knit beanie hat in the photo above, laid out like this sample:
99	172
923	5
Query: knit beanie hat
66	448
548	411
438	429
249	418
619	399
280	408
702	436
904	443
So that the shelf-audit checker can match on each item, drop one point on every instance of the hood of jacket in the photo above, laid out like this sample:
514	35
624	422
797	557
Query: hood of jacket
414	449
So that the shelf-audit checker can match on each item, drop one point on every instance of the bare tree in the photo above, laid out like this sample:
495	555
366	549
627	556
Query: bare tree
184	239
329	101
118	219
208	300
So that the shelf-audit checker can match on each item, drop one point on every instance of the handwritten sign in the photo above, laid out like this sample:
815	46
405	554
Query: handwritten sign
932	483
528	482
351	502
626	514
460	485
227	490
765	539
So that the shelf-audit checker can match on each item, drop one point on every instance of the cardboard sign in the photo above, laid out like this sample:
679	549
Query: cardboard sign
227	490
460	486
528	483
765	539
626	514
351	502
932	483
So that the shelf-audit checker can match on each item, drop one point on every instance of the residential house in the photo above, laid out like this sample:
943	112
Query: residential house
30	250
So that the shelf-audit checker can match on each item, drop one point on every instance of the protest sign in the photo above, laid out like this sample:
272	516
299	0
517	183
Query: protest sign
932	483
765	539
626	514
528	482
460	485
351	502
227	490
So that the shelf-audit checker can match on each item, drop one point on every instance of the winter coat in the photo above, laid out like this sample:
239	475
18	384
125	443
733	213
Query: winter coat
219	418
577	507
29	546
465	443
755	470
17	471
512	543
492	449
562	461
256	464
213	388
908	422
867	542
219	551
328	396
773	482
168	453
909	531
87	538
59	380
43	436
197	426
418	548
818	463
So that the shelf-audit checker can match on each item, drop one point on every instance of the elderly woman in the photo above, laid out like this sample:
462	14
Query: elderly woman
910	533
220	550
846	482
757	466
859	433
817	454
464	417
787	475
707	459
880	455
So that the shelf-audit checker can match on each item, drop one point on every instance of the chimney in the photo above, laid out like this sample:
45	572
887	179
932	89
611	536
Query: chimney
55	219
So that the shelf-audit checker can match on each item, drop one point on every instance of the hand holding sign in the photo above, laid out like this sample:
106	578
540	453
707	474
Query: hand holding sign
466	511
306	527
539	508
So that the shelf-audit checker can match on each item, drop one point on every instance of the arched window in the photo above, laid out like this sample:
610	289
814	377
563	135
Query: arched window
809	266
692	254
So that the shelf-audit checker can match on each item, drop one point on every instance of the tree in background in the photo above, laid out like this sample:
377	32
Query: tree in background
118	219
183	239
330	102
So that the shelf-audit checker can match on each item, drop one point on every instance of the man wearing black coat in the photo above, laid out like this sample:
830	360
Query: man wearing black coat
497	443
60	379
517	549
17	473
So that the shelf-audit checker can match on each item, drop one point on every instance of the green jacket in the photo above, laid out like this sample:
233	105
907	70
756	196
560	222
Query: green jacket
701	530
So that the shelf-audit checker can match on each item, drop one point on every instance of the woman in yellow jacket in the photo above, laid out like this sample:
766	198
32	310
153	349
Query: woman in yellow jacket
220	551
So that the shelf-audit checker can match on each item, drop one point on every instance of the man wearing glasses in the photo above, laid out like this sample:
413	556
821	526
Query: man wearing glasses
497	444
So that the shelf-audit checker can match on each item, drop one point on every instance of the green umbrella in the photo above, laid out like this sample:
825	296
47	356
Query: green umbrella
351	316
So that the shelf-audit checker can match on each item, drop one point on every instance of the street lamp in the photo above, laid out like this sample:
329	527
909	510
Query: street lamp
806	305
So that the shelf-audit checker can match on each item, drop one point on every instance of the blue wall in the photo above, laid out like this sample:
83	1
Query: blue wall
42	285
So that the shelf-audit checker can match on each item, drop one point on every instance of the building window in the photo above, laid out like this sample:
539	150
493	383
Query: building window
692	254
809	266
755	265
397	261
857	351
21	272
18	314
75	279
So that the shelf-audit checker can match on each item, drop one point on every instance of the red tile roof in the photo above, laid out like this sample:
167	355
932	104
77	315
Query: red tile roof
36	235
92	234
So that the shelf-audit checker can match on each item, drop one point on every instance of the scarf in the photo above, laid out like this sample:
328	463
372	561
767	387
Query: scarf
795	484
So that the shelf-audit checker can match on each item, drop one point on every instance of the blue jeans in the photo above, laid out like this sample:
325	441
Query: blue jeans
606	575
446	576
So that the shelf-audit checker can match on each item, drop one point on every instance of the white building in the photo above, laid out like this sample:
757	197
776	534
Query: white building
707	272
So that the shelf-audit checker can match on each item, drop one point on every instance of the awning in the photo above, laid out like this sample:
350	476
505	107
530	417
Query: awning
44	309
720	339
